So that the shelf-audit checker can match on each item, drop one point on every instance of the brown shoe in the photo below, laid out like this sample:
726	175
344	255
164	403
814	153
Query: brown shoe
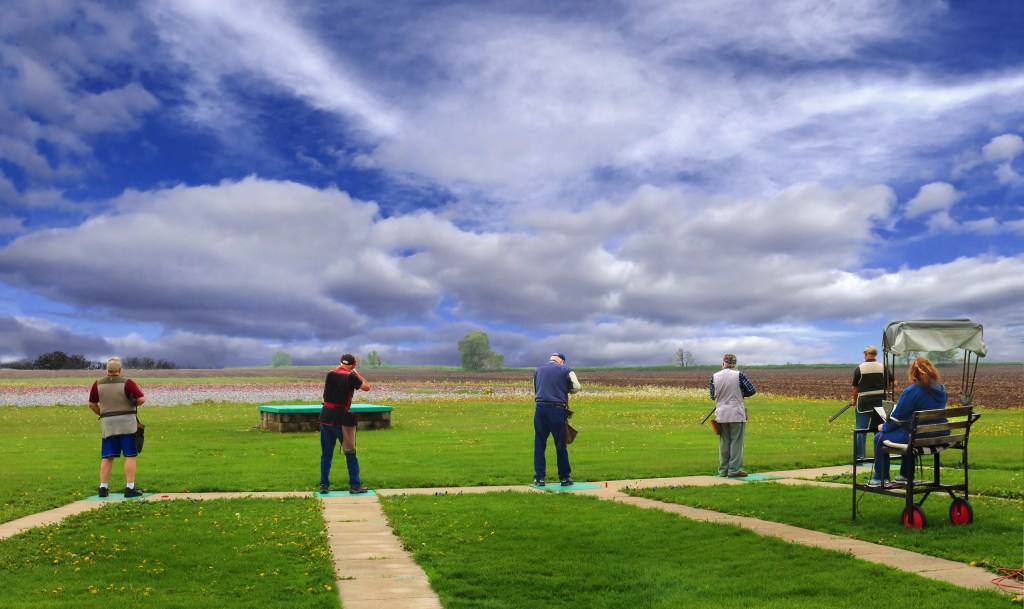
739	474
357	490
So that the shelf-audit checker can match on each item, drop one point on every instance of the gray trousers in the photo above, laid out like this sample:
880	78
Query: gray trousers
730	448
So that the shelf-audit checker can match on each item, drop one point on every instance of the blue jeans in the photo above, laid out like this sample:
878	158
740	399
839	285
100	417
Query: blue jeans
863	419
549	420
900	436
329	436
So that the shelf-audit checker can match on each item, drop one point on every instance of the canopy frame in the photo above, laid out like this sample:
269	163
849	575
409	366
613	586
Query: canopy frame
900	337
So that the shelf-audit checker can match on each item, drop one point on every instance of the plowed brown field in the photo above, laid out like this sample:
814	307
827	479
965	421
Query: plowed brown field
996	386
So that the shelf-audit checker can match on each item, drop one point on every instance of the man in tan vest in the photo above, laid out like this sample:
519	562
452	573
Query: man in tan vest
116	400
728	388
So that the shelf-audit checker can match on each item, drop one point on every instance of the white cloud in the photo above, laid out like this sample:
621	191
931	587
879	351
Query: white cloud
937	196
1006	174
266	40
803	29
10	225
278	261
1004	147
528	105
60	87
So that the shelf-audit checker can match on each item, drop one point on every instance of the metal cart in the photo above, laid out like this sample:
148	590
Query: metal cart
953	423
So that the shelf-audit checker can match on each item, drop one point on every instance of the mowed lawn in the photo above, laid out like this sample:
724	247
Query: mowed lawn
50	455
492	550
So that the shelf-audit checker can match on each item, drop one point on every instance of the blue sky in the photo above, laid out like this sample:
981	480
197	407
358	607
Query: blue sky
210	182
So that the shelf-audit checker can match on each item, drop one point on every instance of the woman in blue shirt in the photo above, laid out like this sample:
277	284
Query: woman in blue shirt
924	393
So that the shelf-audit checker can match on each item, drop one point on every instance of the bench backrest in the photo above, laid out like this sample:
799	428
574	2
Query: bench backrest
956	421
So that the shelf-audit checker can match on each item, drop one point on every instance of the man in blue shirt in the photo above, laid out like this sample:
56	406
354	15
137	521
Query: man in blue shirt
552	384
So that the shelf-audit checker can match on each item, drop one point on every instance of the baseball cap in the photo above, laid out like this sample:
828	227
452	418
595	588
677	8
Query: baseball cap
560	356
729	359
348	359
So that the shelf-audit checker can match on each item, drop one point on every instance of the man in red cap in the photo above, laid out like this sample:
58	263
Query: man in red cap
337	424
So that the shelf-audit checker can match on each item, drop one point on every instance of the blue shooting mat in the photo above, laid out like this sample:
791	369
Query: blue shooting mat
344	494
557	486
116	497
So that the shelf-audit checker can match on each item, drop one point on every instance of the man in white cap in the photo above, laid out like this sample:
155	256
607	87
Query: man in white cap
552	384
869	382
728	388
116	400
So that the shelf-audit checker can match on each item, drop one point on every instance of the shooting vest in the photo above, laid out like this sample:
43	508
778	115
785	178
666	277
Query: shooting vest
871	388
117	413
337	398
729	406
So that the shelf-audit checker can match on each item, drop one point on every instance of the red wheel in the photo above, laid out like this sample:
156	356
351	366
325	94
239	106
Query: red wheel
914	518
961	512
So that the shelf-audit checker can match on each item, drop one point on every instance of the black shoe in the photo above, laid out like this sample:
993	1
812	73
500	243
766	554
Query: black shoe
539	482
357	490
325	488
739	474
104	492
131	492
567	482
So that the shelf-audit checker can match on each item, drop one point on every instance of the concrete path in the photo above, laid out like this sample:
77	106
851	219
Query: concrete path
375	571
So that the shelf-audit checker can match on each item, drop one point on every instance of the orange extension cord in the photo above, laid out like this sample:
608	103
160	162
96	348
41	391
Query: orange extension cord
1011	581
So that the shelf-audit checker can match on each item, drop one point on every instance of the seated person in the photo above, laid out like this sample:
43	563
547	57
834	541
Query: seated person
924	393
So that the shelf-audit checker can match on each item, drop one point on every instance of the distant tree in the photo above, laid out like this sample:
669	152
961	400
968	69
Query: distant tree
475	353
147	363
373	360
682	358
938	358
58	360
281	359
494	361
943	357
54	360
21	364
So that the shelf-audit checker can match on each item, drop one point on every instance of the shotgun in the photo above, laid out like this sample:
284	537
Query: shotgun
841	411
709	415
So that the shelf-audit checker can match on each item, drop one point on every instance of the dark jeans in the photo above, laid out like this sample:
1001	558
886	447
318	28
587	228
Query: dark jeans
863	419
329	436
549	420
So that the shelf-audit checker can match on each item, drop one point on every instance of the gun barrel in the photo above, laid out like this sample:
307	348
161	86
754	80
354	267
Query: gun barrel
841	411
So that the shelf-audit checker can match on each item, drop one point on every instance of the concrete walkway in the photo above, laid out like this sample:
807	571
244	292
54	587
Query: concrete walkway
376	572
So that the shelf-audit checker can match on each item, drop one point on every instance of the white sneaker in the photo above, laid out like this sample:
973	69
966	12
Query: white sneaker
899	480
874	483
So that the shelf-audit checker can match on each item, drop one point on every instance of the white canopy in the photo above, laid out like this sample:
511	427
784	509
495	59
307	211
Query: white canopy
934	335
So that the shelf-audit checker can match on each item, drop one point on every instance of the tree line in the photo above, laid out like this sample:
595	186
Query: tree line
58	360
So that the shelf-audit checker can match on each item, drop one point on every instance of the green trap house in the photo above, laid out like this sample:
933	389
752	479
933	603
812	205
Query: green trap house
302	417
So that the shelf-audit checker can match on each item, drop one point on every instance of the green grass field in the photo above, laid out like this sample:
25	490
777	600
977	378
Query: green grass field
219	553
563	551
51	454
51	458
878	520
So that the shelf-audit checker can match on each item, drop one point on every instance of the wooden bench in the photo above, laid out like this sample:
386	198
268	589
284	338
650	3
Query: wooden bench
303	417
956	430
